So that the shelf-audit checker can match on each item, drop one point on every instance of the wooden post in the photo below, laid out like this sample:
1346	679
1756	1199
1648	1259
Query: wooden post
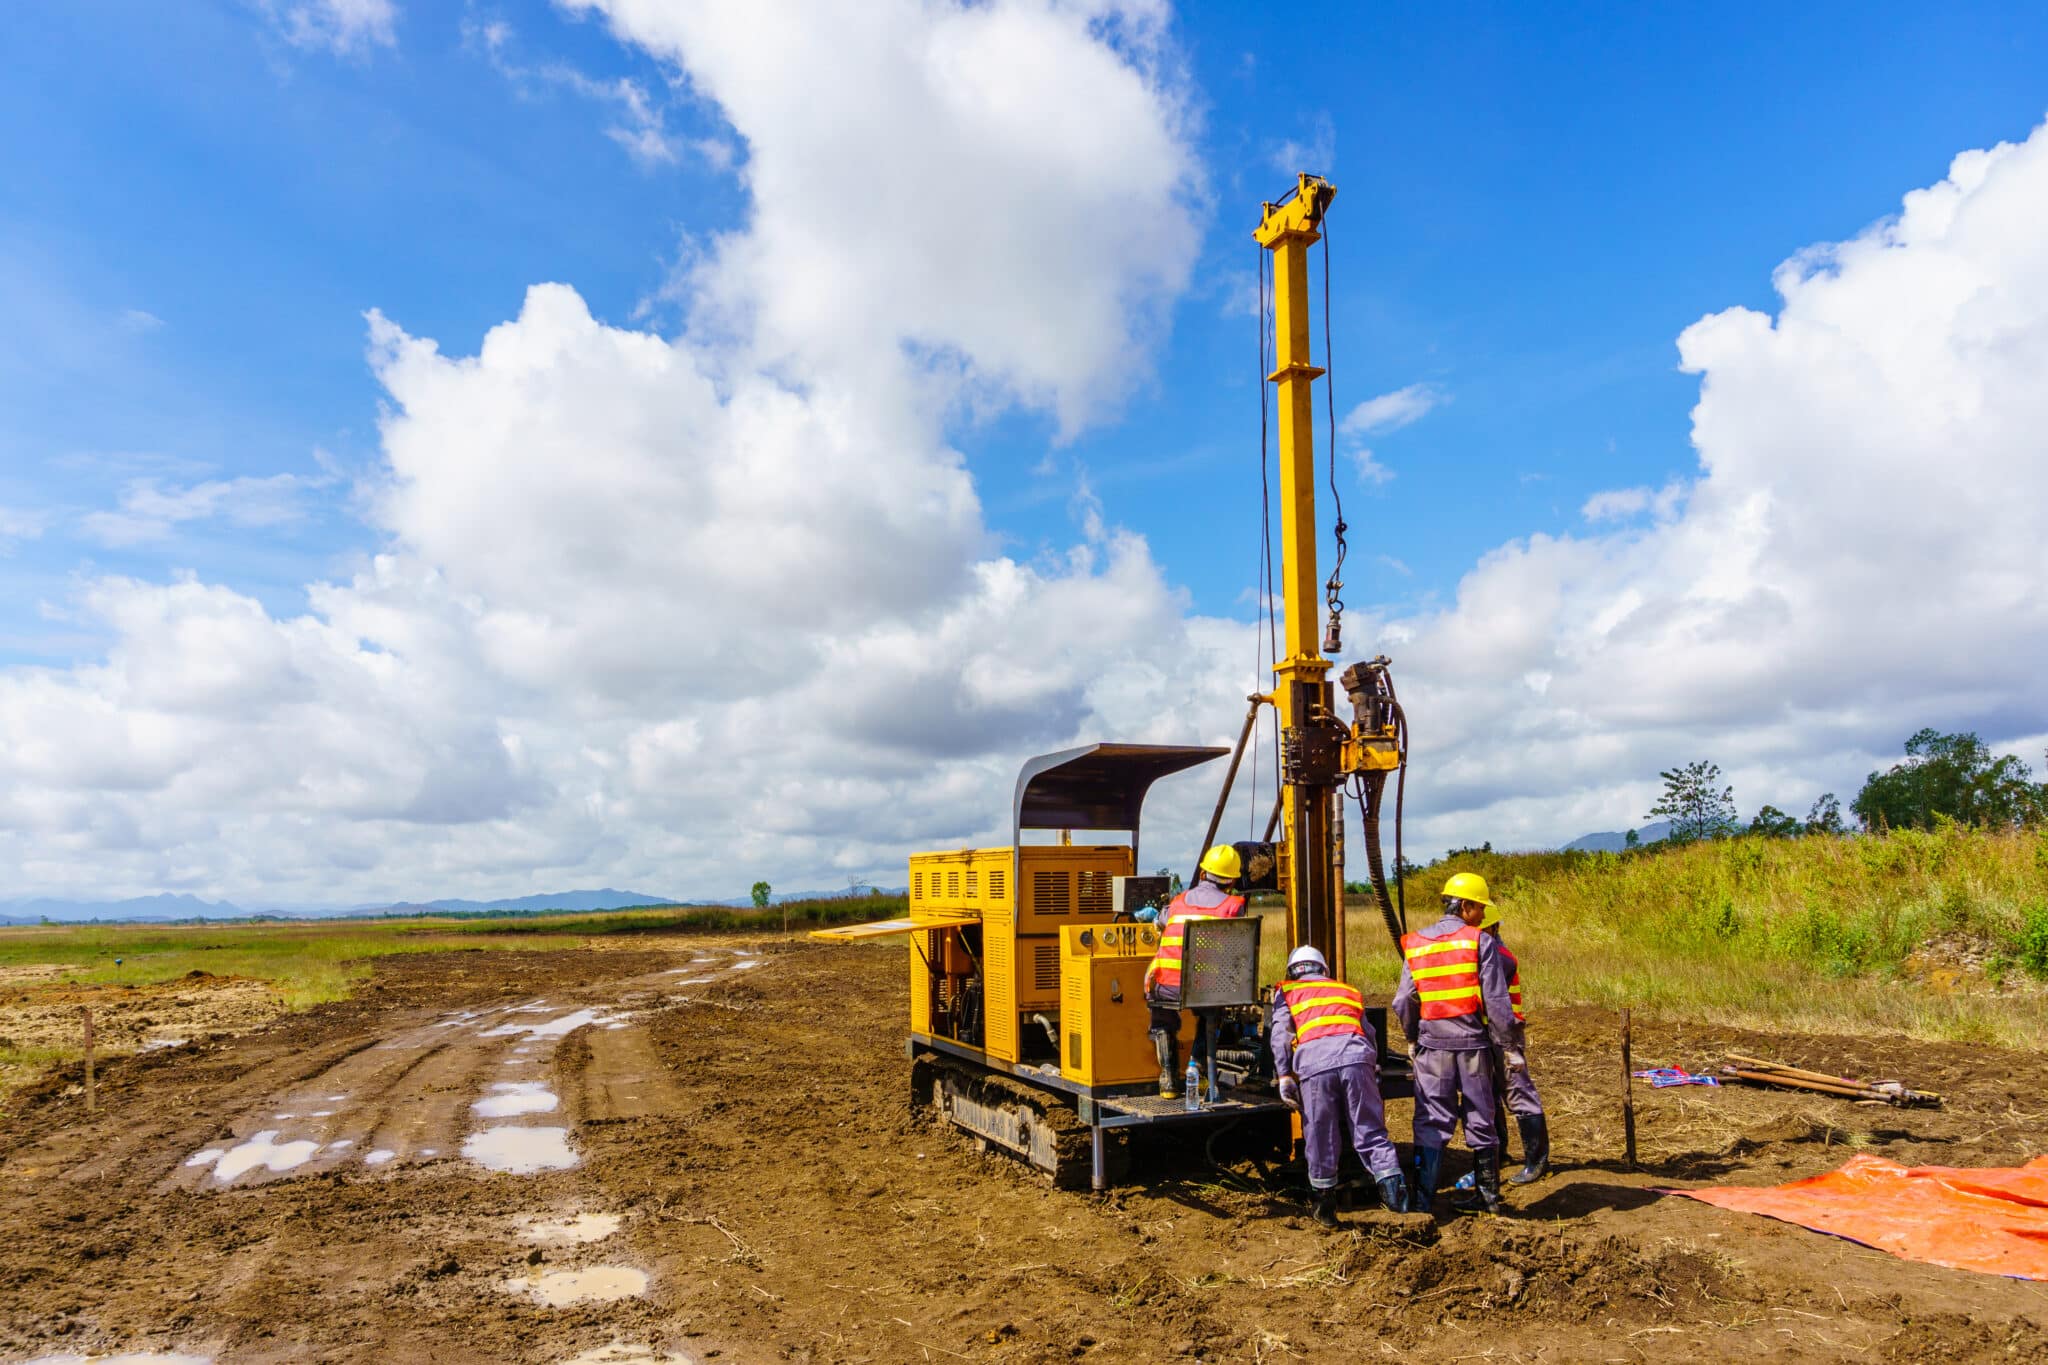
1628	1097
91	1093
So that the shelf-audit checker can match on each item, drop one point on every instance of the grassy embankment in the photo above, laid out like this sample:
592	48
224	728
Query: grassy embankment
311	961
1910	932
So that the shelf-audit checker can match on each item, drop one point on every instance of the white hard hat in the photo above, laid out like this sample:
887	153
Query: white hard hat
1305	956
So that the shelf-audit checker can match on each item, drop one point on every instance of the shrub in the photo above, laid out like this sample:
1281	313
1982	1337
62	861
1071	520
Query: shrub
2030	944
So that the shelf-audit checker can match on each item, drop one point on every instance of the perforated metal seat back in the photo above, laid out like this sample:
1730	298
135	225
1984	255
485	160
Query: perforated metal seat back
1220	963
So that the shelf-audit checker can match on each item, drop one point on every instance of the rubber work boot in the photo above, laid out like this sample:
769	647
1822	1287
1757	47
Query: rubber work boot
1429	1164
1393	1192
1485	1196
1535	1149
1167	1047
1325	1211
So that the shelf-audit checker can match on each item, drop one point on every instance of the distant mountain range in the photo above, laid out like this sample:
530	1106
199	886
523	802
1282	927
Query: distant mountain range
159	907
606	899
166	906
1614	841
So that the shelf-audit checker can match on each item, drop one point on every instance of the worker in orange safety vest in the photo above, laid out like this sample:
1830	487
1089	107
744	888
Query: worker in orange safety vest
1213	896
1329	1073
1523	1101
1453	1004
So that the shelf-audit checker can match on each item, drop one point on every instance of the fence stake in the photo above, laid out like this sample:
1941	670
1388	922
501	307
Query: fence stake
1628	1096
91	1092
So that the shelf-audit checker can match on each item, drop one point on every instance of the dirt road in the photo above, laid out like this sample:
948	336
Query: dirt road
697	1150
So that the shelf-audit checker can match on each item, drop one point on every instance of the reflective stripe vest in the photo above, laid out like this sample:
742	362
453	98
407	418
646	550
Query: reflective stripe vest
1514	983
1445	972
1164	973
1322	1008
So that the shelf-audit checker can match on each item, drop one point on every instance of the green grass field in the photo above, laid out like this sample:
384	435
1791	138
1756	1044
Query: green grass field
311	961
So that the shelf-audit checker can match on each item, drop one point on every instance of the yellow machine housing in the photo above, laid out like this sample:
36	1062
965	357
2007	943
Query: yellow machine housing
1014	960
1002	930
1103	1019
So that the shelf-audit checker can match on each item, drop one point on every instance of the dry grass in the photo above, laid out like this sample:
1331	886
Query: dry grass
1823	935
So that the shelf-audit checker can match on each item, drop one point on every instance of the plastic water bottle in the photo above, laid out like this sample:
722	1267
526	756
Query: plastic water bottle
1192	1089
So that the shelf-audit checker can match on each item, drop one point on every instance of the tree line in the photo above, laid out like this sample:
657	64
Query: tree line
1943	777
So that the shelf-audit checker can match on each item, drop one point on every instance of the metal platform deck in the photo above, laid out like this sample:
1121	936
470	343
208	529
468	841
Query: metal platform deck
1132	1111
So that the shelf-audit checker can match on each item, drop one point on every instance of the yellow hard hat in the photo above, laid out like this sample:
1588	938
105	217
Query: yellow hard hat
1468	886
1222	861
1491	917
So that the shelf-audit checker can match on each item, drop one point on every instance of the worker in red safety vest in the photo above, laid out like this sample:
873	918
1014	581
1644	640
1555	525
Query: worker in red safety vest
1523	1101
1213	896
1330	1073
1453	1004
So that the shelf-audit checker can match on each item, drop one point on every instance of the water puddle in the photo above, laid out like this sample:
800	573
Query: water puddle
584	1227
379	1157
693	981
156	1044
629	1353
520	1151
553	1028
597	1284
261	1150
745	963
516	1097
342	1145
207	1157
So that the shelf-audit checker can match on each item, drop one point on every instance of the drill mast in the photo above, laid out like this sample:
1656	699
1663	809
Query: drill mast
1317	749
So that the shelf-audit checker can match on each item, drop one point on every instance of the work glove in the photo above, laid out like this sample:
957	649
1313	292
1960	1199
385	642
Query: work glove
1290	1093
1517	1063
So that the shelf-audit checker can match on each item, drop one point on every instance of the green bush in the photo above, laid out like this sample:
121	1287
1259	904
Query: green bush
2030	944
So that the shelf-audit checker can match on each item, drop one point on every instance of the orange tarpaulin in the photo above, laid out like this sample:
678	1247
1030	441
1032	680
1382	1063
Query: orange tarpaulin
1994	1220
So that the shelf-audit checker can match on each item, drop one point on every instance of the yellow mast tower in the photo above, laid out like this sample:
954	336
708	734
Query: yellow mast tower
1317	749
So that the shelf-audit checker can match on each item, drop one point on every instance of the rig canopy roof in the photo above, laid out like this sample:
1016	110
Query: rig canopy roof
1097	786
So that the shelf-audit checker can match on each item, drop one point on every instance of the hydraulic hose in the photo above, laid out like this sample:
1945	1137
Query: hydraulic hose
1373	791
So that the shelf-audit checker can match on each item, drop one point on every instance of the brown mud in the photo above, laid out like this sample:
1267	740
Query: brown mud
40	1009
748	1129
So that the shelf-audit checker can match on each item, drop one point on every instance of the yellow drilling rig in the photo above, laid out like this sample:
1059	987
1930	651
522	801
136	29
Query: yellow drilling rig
1028	1024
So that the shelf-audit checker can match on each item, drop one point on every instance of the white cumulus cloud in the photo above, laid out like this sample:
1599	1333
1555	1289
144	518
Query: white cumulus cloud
1010	184
675	612
679	611
1858	555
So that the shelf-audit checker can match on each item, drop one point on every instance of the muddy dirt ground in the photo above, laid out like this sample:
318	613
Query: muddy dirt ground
698	1150
39	1008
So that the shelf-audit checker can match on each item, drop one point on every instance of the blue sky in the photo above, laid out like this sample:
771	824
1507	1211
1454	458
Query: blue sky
203	202
1533	203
